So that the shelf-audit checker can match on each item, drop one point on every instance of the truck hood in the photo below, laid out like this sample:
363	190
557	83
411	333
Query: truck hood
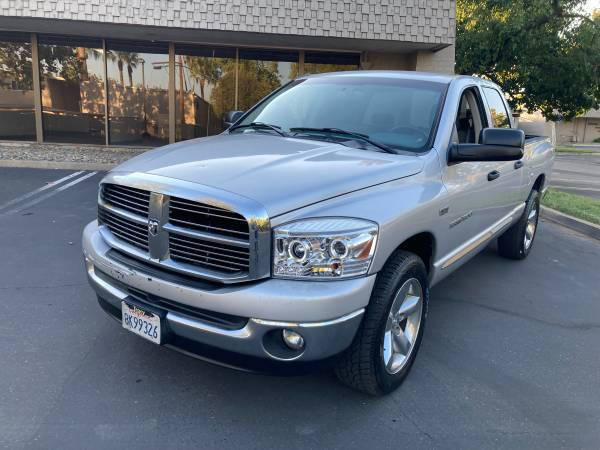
281	173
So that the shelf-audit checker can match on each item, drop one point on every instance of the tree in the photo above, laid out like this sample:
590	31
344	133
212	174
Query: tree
129	59
545	54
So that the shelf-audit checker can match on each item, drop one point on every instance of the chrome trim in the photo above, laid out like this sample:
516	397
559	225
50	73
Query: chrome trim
242	333
259	236
473	243
208	237
275	323
158	210
121	212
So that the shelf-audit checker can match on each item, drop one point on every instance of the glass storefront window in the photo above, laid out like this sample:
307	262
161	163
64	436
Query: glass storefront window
205	89
321	62
261	72
72	89
17	118
138	93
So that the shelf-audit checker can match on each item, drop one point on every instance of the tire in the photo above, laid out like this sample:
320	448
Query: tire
363	365
517	241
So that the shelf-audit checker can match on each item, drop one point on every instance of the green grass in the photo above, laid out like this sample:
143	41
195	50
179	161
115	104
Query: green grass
565	149
574	205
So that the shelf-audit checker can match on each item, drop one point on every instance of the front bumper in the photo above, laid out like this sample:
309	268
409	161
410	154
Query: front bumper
326	314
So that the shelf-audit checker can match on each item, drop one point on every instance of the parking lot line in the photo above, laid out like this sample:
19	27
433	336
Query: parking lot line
37	191
51	193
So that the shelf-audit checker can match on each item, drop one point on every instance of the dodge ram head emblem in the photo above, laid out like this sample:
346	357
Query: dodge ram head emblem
153	227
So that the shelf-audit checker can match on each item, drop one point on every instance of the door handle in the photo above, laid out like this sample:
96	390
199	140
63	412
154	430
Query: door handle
493	175
518	164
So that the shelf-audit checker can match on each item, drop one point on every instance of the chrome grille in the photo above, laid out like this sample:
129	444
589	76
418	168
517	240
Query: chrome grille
132	232
210	219
130	199
193	237
211	254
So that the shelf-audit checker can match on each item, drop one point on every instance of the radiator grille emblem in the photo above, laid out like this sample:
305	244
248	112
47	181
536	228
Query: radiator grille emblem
153	227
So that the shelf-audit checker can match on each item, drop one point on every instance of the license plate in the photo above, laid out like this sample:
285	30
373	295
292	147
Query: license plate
140	322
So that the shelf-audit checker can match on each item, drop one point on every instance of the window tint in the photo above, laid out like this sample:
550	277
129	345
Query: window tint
497	109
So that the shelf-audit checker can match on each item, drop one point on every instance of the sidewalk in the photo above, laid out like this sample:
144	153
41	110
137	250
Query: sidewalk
64	156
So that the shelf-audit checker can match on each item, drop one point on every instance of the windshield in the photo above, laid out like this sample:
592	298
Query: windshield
397	113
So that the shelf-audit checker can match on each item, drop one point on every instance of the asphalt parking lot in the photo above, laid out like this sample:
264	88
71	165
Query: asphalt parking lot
577	174
510	358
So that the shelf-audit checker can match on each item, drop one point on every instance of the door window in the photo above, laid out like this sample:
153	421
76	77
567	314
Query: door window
500	118
469	119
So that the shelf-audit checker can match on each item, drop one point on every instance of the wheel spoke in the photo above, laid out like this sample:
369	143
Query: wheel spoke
532	214
395	362
401	343
410	305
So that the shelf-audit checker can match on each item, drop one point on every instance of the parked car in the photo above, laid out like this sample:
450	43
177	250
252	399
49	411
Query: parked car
312	230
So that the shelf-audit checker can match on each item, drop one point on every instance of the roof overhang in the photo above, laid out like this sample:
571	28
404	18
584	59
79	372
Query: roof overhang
210	37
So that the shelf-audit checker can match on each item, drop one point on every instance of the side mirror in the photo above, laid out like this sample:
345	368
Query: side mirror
231	117
496	144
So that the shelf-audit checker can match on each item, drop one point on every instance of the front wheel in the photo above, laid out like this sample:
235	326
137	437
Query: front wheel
516	242
390	334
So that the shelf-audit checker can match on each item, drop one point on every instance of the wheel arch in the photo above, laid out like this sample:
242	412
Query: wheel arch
421	244
539	183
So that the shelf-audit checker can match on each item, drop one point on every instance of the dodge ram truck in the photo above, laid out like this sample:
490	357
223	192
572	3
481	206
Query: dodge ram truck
311	231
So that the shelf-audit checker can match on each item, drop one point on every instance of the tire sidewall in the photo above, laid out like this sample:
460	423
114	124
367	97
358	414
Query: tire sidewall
533	200
413	268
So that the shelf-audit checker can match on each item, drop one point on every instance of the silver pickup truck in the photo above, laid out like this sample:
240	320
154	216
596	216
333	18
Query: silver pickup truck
312	230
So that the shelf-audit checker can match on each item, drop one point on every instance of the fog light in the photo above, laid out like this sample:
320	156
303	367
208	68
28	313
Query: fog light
293	340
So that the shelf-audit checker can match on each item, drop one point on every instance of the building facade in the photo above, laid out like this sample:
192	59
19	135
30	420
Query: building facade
584	129
150	72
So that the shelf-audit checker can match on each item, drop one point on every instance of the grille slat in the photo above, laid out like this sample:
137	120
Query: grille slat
202	253
198	262
207	213
129	199
198	216
211	247
199	252
128	230
187	224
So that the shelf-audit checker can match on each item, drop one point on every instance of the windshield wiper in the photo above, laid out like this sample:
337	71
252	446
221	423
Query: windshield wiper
354	134
260	125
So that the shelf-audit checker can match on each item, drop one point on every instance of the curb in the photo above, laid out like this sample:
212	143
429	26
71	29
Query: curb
580	225
68	165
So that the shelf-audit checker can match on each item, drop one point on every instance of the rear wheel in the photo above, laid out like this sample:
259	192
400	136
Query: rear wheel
390	334
516	242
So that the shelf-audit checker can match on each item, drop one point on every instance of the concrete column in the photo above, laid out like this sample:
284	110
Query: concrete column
171	93
37	91
105	69
441	61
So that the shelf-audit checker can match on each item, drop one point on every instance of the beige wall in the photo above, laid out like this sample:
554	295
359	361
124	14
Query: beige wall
441	61
580	130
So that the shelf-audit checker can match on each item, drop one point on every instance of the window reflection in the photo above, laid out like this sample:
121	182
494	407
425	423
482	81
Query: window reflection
261	72
319	62
17	119
72	89
205	90
138	94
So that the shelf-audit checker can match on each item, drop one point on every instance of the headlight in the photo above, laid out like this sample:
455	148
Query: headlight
327	248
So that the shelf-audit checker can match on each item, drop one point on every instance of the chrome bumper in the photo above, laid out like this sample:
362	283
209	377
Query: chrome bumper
326	314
